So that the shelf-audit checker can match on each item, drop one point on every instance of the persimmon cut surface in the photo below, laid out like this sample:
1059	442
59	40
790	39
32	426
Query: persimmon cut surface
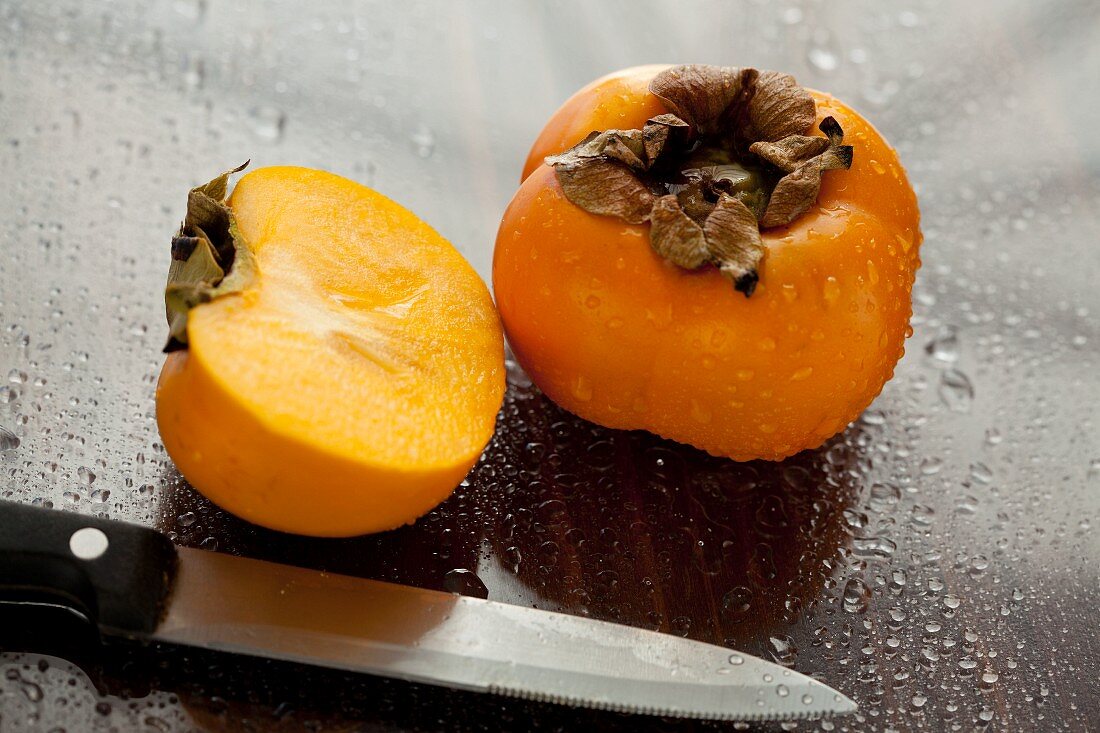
355	382
615	333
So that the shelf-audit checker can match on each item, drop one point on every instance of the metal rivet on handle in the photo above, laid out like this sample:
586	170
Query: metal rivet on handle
88	543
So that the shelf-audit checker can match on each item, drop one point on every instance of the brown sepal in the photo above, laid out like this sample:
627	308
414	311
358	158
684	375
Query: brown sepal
790	152
209	257
746	111
797	191
663	132
700	95
675	236
780	107
604	186
733	242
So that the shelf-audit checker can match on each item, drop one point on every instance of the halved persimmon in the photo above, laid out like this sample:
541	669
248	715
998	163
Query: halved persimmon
350	374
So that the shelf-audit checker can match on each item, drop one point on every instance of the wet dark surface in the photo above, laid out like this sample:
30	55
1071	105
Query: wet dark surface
937	562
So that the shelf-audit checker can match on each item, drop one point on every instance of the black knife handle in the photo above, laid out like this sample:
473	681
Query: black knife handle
117	575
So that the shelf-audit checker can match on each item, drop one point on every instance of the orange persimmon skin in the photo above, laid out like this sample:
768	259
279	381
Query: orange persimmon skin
617	335
613	102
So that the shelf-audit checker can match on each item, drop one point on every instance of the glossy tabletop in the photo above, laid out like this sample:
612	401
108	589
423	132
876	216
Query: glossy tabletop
939	561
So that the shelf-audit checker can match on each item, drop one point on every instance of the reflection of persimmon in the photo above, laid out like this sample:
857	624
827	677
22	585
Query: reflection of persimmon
650	533
348	380
615	333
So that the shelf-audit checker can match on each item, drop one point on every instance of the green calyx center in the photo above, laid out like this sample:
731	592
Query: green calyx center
710	171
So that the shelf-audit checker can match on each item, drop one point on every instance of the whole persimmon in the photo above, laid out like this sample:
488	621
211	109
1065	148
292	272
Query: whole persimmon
335	365
730	267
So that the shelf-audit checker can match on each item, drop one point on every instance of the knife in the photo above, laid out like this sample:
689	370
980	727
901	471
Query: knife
132	582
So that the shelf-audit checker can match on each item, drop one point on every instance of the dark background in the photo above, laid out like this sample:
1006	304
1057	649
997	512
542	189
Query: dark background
938	562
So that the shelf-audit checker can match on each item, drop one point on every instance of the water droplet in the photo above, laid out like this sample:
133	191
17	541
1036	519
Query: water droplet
944	346
700	413
195	75
423	140
8	439
736	604
209	543
85	475
956	391
921	515
870	547
807	700
831	290
967	504
30	690
187	519
792	16
582	389
737	659
855	519
981	473
783	650
802	374
191	9
782	690
856	596
268	123
931	466
465	582
873	417
823	59
884	496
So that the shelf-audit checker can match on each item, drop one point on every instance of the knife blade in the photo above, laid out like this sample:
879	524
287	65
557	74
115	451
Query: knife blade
134	583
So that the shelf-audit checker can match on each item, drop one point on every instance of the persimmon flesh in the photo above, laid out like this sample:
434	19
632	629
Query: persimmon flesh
618	335
354	384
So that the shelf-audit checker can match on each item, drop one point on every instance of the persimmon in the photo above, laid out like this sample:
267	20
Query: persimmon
336	366
731	267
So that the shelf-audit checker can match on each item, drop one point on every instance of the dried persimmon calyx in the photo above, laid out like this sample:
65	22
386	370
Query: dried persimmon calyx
733	156
208	258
